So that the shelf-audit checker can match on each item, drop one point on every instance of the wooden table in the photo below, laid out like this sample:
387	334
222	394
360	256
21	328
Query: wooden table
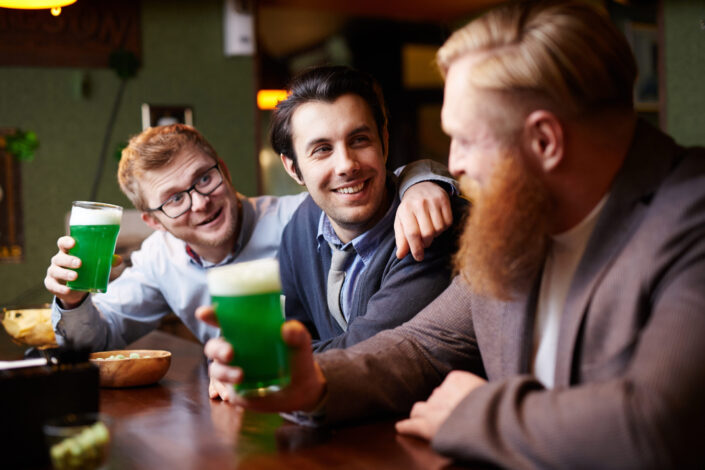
174	424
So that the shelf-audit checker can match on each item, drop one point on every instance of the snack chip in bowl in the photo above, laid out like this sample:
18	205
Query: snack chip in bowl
30	326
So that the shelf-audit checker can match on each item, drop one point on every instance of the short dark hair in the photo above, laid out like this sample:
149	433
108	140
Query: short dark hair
327	84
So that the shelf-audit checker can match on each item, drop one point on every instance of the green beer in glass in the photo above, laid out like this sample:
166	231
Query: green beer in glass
94	226
247	302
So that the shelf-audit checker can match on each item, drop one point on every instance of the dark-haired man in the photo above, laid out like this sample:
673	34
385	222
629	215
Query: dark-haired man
331	133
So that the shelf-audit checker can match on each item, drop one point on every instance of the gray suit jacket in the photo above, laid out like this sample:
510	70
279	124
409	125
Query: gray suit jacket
630	372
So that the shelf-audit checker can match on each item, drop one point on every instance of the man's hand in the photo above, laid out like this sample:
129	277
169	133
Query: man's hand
423	214
60	271
427	416
304	393
206	314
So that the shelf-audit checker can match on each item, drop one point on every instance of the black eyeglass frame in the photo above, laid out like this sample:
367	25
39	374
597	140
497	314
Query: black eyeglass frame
188	193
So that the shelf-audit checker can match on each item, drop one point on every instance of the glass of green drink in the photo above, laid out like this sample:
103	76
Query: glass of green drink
94	226
247	302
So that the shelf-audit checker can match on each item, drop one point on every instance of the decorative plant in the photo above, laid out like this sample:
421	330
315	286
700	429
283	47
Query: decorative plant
119	147
21	144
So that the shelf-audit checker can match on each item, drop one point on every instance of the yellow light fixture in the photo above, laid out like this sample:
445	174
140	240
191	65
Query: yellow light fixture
36	4
268	99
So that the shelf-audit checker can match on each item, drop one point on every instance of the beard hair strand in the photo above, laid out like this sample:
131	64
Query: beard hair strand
504	242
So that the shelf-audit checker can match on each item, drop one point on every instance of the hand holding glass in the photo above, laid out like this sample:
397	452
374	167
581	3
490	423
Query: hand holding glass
94	226
247	302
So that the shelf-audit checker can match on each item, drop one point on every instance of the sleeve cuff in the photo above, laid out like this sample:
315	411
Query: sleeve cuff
426	170
311	419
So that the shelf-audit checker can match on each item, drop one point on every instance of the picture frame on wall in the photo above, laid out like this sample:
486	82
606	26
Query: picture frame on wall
162	115
643	39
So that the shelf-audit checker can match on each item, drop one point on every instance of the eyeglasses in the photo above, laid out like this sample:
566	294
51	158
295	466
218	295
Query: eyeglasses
180	203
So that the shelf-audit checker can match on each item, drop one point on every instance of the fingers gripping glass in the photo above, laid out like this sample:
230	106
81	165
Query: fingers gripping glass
180	203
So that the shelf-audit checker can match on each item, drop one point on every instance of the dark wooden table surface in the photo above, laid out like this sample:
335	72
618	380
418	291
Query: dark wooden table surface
174	425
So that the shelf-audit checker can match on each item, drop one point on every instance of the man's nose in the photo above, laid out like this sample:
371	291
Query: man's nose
346	161
198	201
454	165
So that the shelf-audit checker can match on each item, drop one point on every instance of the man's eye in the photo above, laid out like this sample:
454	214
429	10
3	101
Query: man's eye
360	140
176	199
463	143
205	179
321	150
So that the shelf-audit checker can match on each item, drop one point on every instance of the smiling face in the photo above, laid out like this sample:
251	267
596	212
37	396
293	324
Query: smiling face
342	164
210	226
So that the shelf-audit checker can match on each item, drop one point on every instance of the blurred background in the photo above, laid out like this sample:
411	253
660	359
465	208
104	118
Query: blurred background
75	87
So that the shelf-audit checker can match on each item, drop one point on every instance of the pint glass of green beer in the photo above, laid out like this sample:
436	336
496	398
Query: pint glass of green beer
94	226
247	302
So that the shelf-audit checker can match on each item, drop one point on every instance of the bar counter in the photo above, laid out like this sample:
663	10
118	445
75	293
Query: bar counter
173	424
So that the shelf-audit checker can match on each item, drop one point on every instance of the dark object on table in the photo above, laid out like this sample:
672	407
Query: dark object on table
30	396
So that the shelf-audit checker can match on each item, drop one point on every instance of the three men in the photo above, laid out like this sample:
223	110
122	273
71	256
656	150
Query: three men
183	190
331	133
574	333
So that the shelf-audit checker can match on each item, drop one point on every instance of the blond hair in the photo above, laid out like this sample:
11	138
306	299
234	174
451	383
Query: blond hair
566	53
155	148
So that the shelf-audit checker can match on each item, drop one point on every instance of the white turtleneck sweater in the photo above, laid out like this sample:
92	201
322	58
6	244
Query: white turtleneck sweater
564	254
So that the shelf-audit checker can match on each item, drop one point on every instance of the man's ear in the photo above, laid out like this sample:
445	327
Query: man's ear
290	168
544	138
151	221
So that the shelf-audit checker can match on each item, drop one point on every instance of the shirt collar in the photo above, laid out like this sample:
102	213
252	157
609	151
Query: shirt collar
578	235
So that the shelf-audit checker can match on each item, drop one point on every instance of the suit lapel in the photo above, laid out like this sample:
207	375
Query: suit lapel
518	322
646	164
506	332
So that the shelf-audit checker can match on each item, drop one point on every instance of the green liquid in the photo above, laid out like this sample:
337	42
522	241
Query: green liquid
252	325
95	245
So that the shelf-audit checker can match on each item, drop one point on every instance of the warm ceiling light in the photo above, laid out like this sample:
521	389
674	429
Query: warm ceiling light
35	4
268	99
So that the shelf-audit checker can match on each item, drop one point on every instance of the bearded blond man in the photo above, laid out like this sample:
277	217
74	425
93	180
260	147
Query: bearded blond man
573	335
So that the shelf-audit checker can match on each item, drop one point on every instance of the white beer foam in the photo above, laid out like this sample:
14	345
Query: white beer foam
104	216
248	278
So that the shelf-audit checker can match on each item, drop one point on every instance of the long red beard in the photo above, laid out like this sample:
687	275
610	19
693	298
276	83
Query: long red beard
504	241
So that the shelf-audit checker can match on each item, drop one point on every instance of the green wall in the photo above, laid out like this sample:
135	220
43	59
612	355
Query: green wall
684	38
182	63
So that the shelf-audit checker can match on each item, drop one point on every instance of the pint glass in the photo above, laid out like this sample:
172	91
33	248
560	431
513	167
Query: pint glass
247	302
94	226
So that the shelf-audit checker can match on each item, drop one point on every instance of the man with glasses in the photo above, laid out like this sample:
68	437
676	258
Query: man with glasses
183	190
181	202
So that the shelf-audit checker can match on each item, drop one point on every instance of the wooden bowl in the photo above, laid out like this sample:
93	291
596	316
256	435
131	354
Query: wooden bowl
147	369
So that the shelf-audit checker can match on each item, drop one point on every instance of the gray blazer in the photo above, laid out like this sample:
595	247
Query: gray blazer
630	373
